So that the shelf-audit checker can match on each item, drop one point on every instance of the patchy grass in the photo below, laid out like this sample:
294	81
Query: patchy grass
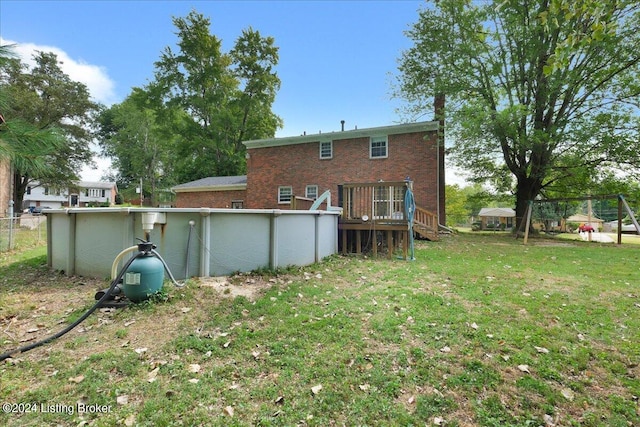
479	330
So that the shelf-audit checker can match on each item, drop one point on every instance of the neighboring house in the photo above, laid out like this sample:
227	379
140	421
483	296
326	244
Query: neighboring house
496	218
576	220
81	194
216	191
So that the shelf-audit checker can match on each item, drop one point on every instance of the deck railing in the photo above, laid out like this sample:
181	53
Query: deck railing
382	202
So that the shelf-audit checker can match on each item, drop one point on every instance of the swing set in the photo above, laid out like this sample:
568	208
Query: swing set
556	211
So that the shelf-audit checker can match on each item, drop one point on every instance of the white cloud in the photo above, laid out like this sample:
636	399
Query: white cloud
92	175
95	77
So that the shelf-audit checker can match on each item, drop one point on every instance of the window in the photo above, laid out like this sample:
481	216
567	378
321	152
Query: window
237	204
46	191
311	192
28	190
378	147
326	150
284	194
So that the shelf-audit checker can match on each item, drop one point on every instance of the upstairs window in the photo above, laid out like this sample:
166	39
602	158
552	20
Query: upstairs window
284	194
378	147
326	150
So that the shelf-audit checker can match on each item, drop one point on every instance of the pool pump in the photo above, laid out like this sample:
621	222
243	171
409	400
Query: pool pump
144	276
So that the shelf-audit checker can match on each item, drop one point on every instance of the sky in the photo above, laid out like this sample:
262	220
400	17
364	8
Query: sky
338	59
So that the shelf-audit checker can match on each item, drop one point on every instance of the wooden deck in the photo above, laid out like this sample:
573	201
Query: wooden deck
374	219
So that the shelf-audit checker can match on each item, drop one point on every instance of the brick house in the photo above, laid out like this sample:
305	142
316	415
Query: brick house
307	165
5	187
279	169
215	191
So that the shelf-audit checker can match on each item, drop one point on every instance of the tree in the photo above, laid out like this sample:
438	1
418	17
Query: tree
226	98
540	93
138	144
48	123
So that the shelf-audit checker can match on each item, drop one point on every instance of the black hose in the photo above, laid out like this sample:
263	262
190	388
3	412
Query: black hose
106	295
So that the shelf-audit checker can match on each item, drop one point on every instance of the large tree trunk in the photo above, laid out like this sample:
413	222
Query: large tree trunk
528	188
19	188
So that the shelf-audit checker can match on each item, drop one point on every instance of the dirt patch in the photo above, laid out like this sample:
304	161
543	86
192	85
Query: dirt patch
230	287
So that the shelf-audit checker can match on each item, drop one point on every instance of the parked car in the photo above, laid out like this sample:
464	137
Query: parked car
585	227
37	210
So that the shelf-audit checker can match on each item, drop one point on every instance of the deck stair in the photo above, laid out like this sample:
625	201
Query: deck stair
425	224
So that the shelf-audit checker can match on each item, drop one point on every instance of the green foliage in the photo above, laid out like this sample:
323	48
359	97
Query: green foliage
190	121
48	123
542	95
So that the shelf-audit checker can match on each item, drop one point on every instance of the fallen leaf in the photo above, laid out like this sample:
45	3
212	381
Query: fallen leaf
445	349
186	309
548	420
32	330
541	349
194	368
411	400
129	323
438	421
151	377
316	389
227	344
141	350
255	354
122	400
567	394
194	381
279	400
130	420
524	368
474	325
228	410
364	387
77	379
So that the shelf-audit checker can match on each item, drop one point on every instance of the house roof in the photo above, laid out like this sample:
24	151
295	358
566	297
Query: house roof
584	218
213	183
347	134
95	184
497	212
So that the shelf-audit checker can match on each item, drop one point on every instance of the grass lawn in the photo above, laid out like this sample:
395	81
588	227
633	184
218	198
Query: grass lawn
479	330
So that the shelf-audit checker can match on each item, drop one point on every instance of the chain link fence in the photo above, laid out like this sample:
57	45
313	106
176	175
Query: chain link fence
23	232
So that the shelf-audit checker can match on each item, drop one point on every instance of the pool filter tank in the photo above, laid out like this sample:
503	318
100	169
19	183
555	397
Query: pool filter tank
144	277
